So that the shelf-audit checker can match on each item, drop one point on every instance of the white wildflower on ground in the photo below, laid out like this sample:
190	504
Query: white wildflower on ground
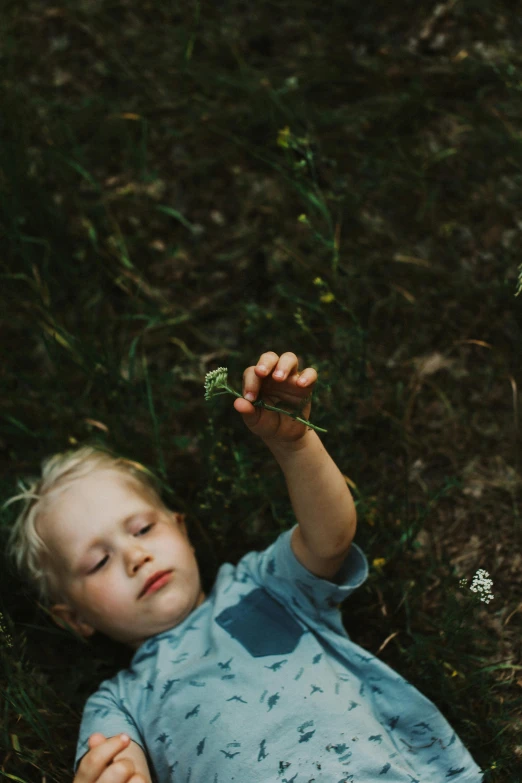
481	584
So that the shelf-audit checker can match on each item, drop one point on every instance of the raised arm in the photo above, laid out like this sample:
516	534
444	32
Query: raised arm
322	503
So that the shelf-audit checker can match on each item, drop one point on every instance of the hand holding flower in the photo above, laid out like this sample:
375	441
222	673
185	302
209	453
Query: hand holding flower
280	405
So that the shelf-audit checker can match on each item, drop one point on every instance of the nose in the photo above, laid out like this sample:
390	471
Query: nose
135	558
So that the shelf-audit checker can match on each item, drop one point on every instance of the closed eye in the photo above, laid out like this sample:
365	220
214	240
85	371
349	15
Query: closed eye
144	530
100	564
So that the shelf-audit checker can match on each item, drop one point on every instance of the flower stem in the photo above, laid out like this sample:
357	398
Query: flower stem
262	404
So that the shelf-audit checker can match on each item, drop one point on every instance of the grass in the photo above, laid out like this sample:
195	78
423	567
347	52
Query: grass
185	188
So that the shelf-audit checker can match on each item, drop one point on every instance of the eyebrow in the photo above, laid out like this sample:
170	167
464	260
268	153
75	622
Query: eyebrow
123	522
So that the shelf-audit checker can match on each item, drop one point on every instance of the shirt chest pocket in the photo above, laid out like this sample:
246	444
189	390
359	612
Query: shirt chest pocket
261	625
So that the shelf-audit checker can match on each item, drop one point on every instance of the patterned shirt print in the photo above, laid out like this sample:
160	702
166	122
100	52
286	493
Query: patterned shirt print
261	683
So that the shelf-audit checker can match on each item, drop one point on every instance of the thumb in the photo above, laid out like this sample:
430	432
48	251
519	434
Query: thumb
247	410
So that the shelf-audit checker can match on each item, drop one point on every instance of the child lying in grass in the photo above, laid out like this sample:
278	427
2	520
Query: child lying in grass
258	681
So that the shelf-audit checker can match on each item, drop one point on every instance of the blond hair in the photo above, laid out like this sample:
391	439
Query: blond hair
25	547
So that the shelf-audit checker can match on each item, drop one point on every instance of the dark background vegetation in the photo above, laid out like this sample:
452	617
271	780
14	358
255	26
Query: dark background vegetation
156	162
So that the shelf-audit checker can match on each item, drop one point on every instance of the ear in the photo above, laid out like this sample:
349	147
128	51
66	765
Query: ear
179	520
63	615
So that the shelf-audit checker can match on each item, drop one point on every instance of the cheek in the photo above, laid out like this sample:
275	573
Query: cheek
106	595
171	542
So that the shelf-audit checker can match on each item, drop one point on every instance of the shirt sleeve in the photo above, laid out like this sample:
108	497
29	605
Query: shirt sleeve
279	571
105	712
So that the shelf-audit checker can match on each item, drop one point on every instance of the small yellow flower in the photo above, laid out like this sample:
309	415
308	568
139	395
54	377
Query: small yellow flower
327	298
454	672
283	136
379	562
318	281
302	218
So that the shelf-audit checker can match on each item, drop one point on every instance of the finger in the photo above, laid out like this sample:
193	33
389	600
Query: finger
266	363
95	740
95	761
307	377
251	384
287	365
120	772
247	409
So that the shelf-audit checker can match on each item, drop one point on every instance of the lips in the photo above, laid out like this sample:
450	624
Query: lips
150	581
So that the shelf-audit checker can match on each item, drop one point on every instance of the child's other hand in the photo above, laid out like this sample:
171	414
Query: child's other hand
97	767
270	425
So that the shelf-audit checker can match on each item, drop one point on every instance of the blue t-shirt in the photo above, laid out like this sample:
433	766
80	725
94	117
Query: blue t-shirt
262	684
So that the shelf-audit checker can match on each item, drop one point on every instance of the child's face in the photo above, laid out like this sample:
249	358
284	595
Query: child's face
103	583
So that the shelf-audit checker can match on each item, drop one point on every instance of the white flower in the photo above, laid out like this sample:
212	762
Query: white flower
482	584
215	379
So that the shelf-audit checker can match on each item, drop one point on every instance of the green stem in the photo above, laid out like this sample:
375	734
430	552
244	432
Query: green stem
262	404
